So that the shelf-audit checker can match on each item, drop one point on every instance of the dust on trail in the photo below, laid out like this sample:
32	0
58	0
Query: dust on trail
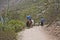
35	33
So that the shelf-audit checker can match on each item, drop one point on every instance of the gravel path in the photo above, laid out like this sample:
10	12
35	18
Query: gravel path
35	33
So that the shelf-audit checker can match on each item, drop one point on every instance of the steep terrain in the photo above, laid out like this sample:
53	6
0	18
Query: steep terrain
36	8
35	33
19	9
54	29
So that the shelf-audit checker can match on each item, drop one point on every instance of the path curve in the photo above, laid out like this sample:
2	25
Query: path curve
35	33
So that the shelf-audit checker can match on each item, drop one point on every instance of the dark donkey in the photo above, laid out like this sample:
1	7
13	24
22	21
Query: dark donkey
29	23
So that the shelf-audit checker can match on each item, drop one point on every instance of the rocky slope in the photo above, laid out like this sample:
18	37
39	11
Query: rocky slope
54	29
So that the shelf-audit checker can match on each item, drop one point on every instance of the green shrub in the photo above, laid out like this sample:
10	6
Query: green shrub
15	25
7	35
1	26
9	29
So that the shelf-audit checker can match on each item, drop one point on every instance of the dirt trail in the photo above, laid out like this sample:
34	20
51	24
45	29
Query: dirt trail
35	33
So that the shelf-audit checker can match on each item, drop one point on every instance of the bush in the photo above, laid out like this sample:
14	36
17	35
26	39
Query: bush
9	29
0	26
15	25
6	33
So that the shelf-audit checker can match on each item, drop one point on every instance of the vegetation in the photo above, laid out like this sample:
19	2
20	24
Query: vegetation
9	30
13	18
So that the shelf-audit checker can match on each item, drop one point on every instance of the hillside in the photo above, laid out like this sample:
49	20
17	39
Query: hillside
25	7
13	15
19	9
54	29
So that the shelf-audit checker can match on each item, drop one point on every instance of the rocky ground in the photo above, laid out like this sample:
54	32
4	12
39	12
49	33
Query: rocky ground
54	29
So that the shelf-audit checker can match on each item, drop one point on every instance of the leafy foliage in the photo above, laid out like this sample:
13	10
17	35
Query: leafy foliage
15	16
7	33
15	25
9	30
